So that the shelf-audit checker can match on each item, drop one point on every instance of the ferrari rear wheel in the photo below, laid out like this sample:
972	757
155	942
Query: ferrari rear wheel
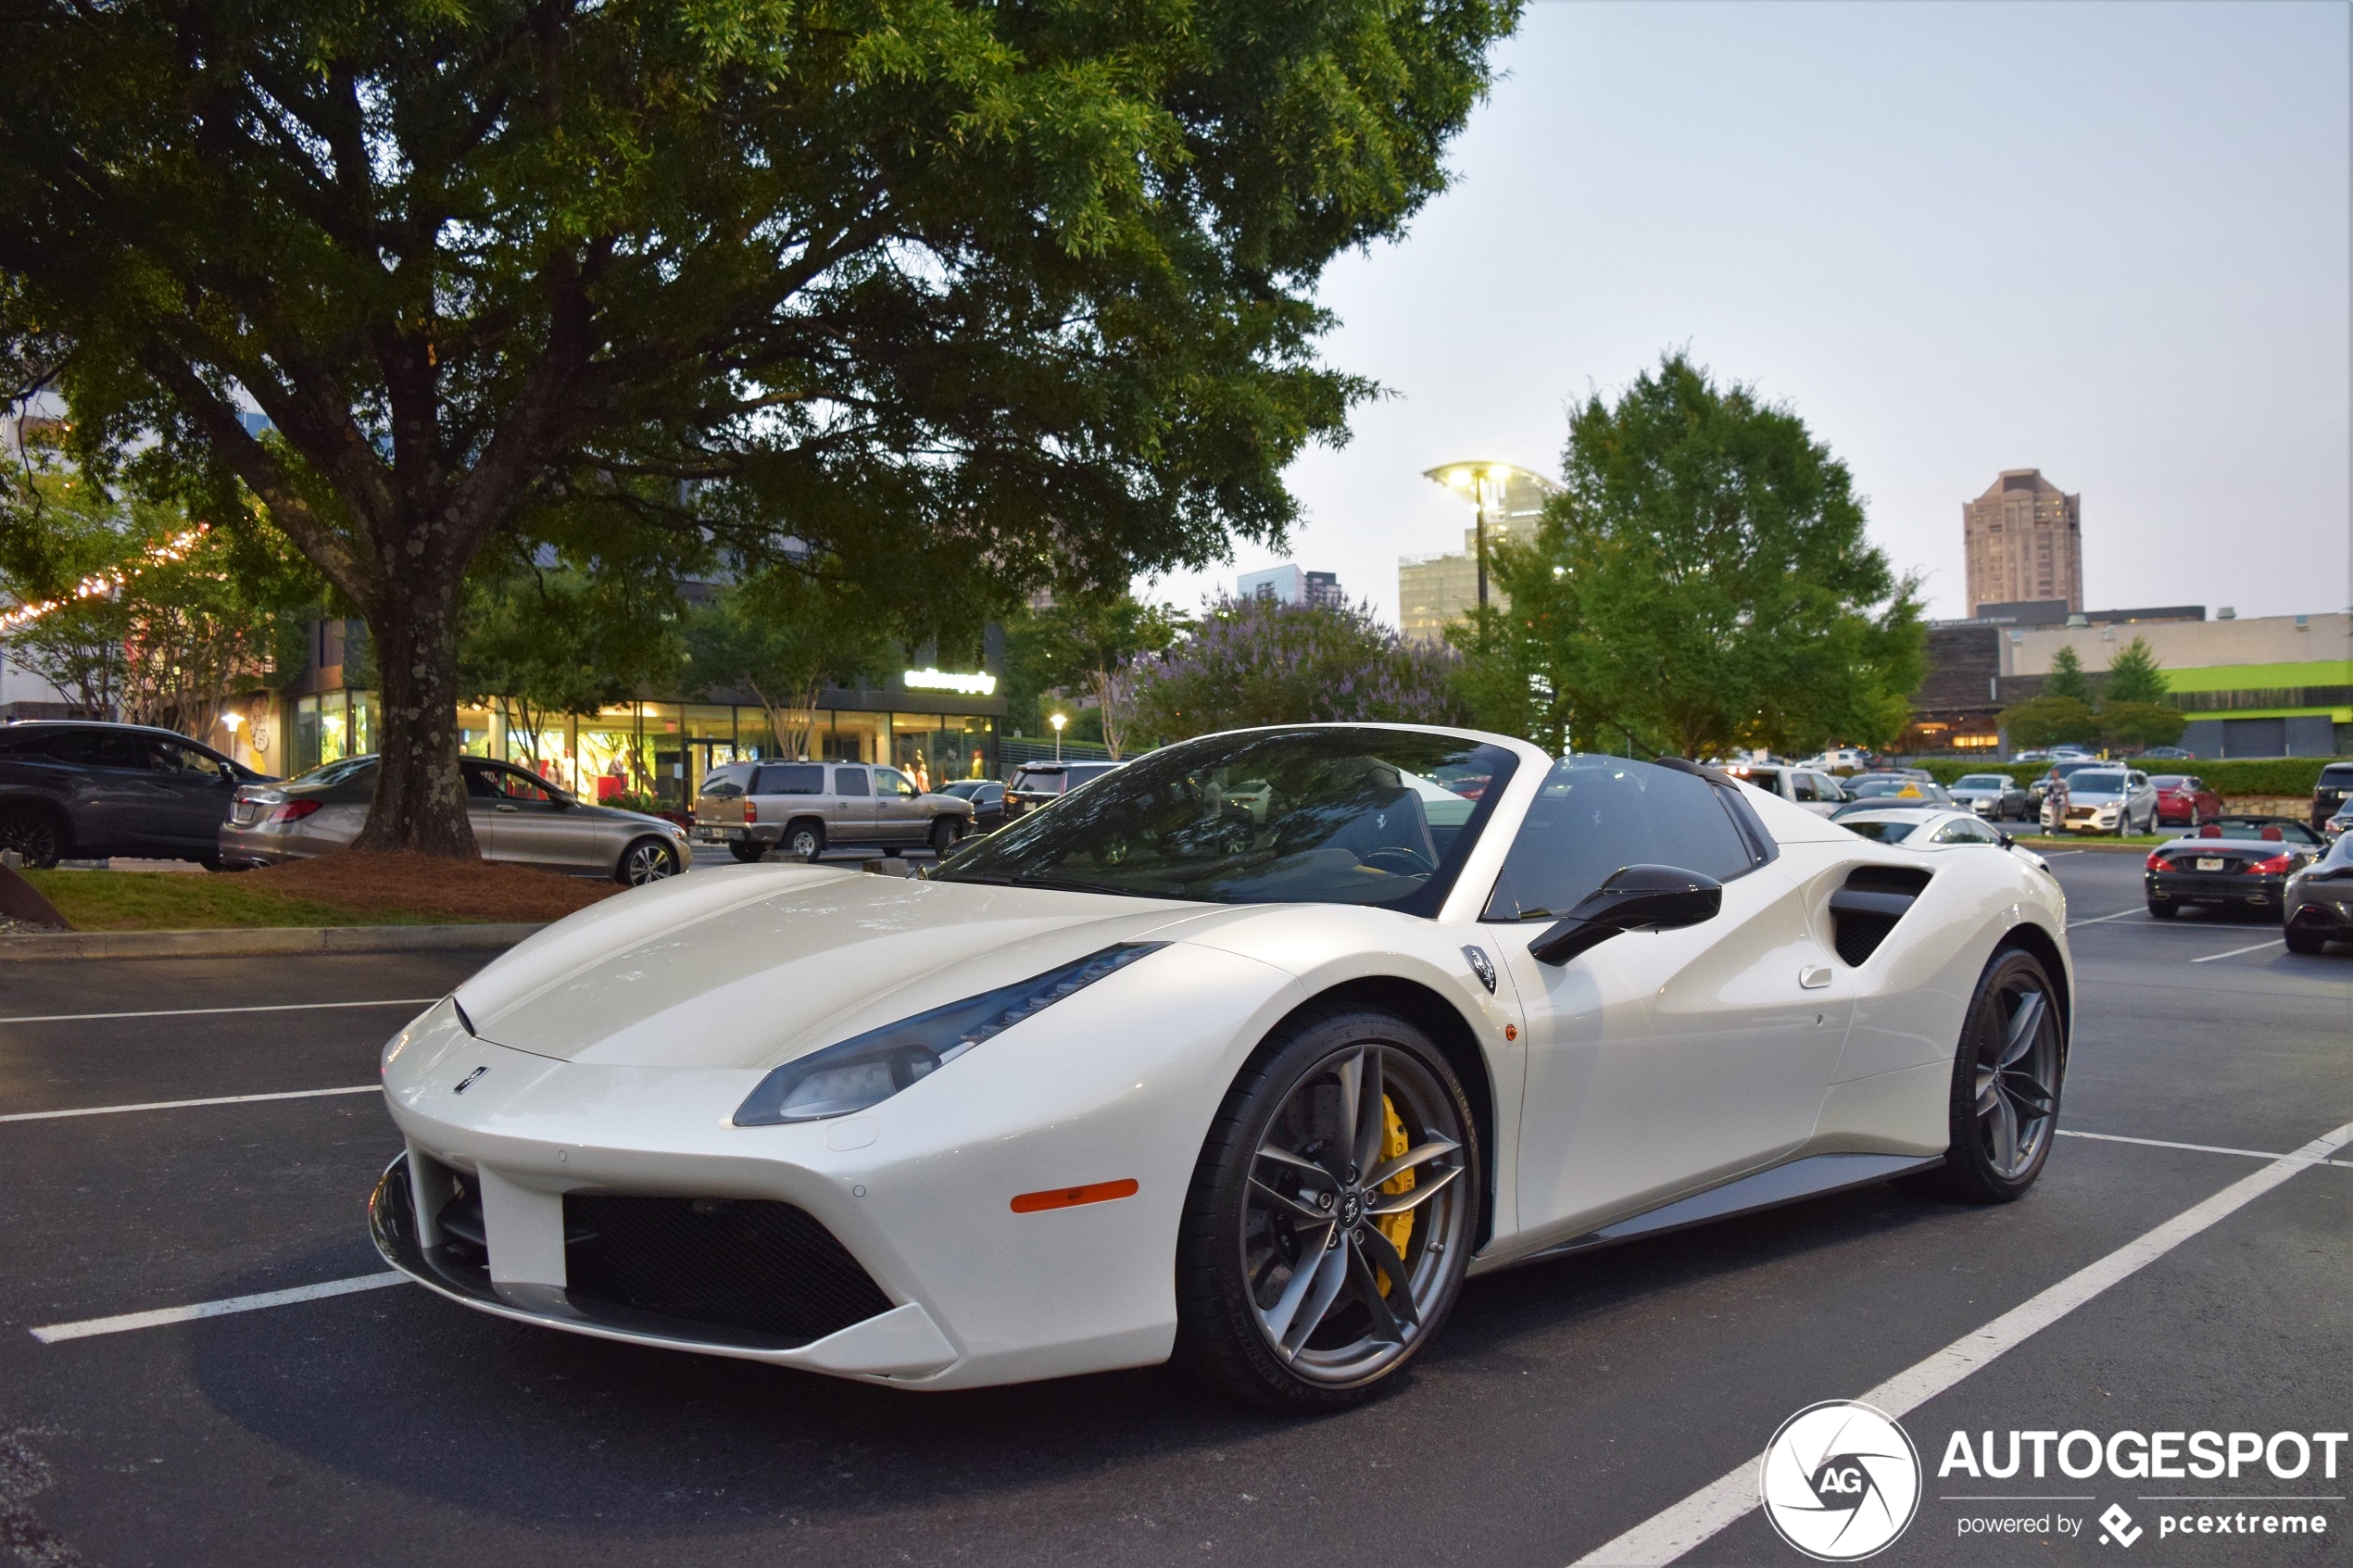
1332	1213
2006	1077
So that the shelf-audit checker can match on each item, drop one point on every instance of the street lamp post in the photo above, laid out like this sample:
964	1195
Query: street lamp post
1057	721
1486	484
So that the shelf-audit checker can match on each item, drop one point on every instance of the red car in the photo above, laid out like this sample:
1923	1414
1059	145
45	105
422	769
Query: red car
2184	799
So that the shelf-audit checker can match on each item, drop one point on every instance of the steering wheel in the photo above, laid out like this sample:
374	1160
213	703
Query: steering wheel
1398	861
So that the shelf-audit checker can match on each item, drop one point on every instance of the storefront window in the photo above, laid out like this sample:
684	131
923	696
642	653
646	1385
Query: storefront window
856	737
477	732
363	723
710	741
302	753
334	726
611	762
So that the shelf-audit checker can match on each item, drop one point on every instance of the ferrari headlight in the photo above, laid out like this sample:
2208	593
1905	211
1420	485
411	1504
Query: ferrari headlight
868	1069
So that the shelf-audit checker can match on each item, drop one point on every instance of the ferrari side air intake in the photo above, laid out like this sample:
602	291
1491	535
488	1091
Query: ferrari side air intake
1867	908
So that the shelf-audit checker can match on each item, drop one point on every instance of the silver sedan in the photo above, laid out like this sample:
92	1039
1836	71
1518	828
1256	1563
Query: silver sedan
517	817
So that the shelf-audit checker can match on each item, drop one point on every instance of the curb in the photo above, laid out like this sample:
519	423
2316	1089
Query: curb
257	941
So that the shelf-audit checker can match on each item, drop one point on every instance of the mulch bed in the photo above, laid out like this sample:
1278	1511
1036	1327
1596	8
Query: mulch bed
415	884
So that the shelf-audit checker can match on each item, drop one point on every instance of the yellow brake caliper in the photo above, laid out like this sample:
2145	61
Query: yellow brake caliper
1398	1229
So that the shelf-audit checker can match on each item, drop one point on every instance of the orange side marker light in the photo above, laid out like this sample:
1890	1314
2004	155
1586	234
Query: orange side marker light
1071	1197
1511	1030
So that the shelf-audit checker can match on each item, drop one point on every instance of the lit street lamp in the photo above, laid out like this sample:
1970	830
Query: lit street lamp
1057	721
1484	484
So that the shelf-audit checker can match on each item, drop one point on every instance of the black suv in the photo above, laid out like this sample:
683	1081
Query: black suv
92	790
2335	789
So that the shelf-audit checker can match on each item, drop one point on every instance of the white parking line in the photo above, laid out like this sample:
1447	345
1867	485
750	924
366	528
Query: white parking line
57	1333
1669	1534
196	1012
2235	952
185	1104
2193	1148
2102	919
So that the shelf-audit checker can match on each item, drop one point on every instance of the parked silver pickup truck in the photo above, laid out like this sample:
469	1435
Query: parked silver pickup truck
803	809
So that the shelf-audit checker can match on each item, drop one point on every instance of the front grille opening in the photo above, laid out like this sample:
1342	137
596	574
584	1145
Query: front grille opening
1866	910
756	1267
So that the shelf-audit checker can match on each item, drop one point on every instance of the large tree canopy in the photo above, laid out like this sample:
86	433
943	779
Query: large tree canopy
1703	582
956	298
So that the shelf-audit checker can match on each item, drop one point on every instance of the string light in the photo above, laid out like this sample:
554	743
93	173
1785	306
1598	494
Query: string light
175	548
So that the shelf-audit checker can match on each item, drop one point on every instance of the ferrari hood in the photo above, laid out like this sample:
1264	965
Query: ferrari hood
753	966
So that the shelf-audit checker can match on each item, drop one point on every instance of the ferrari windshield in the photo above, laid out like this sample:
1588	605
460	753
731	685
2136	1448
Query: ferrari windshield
1321	816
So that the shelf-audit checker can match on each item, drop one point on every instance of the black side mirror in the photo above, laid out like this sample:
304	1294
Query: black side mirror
1638	896
2007	840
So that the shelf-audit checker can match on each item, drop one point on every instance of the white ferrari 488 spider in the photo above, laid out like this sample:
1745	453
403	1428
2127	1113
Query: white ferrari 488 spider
1247	1053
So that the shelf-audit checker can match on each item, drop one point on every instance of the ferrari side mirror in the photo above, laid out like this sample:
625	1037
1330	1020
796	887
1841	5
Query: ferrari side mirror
1638	896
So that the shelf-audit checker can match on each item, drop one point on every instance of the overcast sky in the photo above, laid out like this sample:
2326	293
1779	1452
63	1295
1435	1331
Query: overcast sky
2106	241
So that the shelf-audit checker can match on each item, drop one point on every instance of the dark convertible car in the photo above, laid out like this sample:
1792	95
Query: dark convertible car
73	788
2235	863
2318	900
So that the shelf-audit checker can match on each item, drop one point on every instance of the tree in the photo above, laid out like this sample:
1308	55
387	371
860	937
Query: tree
138	609
784	636
2140	725
1090	640
1704	581
2048	720
2133	675
1261	661
543	638
964	296
2067	678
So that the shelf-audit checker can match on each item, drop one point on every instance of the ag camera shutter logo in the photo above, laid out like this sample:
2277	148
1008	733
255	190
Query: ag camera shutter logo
1841	1481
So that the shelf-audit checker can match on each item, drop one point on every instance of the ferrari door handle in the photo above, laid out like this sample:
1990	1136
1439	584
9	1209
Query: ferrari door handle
1814	976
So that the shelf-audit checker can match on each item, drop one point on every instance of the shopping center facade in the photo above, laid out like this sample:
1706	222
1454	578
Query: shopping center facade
945	722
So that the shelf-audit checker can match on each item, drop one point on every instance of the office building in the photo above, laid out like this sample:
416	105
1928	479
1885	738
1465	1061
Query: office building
2024	538
1435	592
1288	584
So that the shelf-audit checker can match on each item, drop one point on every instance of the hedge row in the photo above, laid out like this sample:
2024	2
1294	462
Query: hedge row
2254	775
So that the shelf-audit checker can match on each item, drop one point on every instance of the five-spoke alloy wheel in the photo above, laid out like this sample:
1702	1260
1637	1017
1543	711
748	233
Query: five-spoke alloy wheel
646	859
1332	1215
2006	1078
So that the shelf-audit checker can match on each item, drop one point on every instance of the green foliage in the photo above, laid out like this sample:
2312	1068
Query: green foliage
2139	724
1087	643
2048	720
183	614
1260	662
2067	677
2134	676
783	635
540	641
1702	583
963	298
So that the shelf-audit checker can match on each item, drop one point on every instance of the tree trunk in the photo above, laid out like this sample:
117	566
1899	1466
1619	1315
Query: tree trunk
420	799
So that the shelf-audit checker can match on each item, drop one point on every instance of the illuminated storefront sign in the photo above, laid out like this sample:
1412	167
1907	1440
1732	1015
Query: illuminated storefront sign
947	681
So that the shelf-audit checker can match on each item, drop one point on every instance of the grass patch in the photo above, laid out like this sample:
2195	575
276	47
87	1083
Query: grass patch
183	901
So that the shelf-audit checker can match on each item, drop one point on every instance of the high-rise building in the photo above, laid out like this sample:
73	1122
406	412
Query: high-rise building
1434	592
1290	586
2025	542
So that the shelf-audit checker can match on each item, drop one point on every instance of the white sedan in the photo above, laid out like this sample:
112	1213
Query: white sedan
1248	1054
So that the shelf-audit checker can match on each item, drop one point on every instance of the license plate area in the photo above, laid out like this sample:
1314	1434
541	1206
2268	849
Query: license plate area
2211	863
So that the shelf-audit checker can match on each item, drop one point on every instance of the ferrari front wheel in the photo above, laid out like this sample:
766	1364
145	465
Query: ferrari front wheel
1331	1216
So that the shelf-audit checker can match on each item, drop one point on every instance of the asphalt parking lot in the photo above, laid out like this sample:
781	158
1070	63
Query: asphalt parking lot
1569	1403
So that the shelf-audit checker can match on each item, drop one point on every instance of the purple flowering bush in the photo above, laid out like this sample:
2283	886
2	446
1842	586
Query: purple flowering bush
1260	662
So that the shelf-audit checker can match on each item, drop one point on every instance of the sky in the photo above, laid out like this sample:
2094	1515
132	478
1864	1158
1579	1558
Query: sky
2106	241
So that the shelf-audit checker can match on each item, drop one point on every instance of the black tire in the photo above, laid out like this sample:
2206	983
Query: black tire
2163	912
803	840
646	859
1241	1289
746	849
2008	1069
34	833
945	831
2304	941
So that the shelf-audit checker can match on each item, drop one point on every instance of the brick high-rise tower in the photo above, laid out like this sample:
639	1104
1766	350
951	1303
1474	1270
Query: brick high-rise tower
2025	540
